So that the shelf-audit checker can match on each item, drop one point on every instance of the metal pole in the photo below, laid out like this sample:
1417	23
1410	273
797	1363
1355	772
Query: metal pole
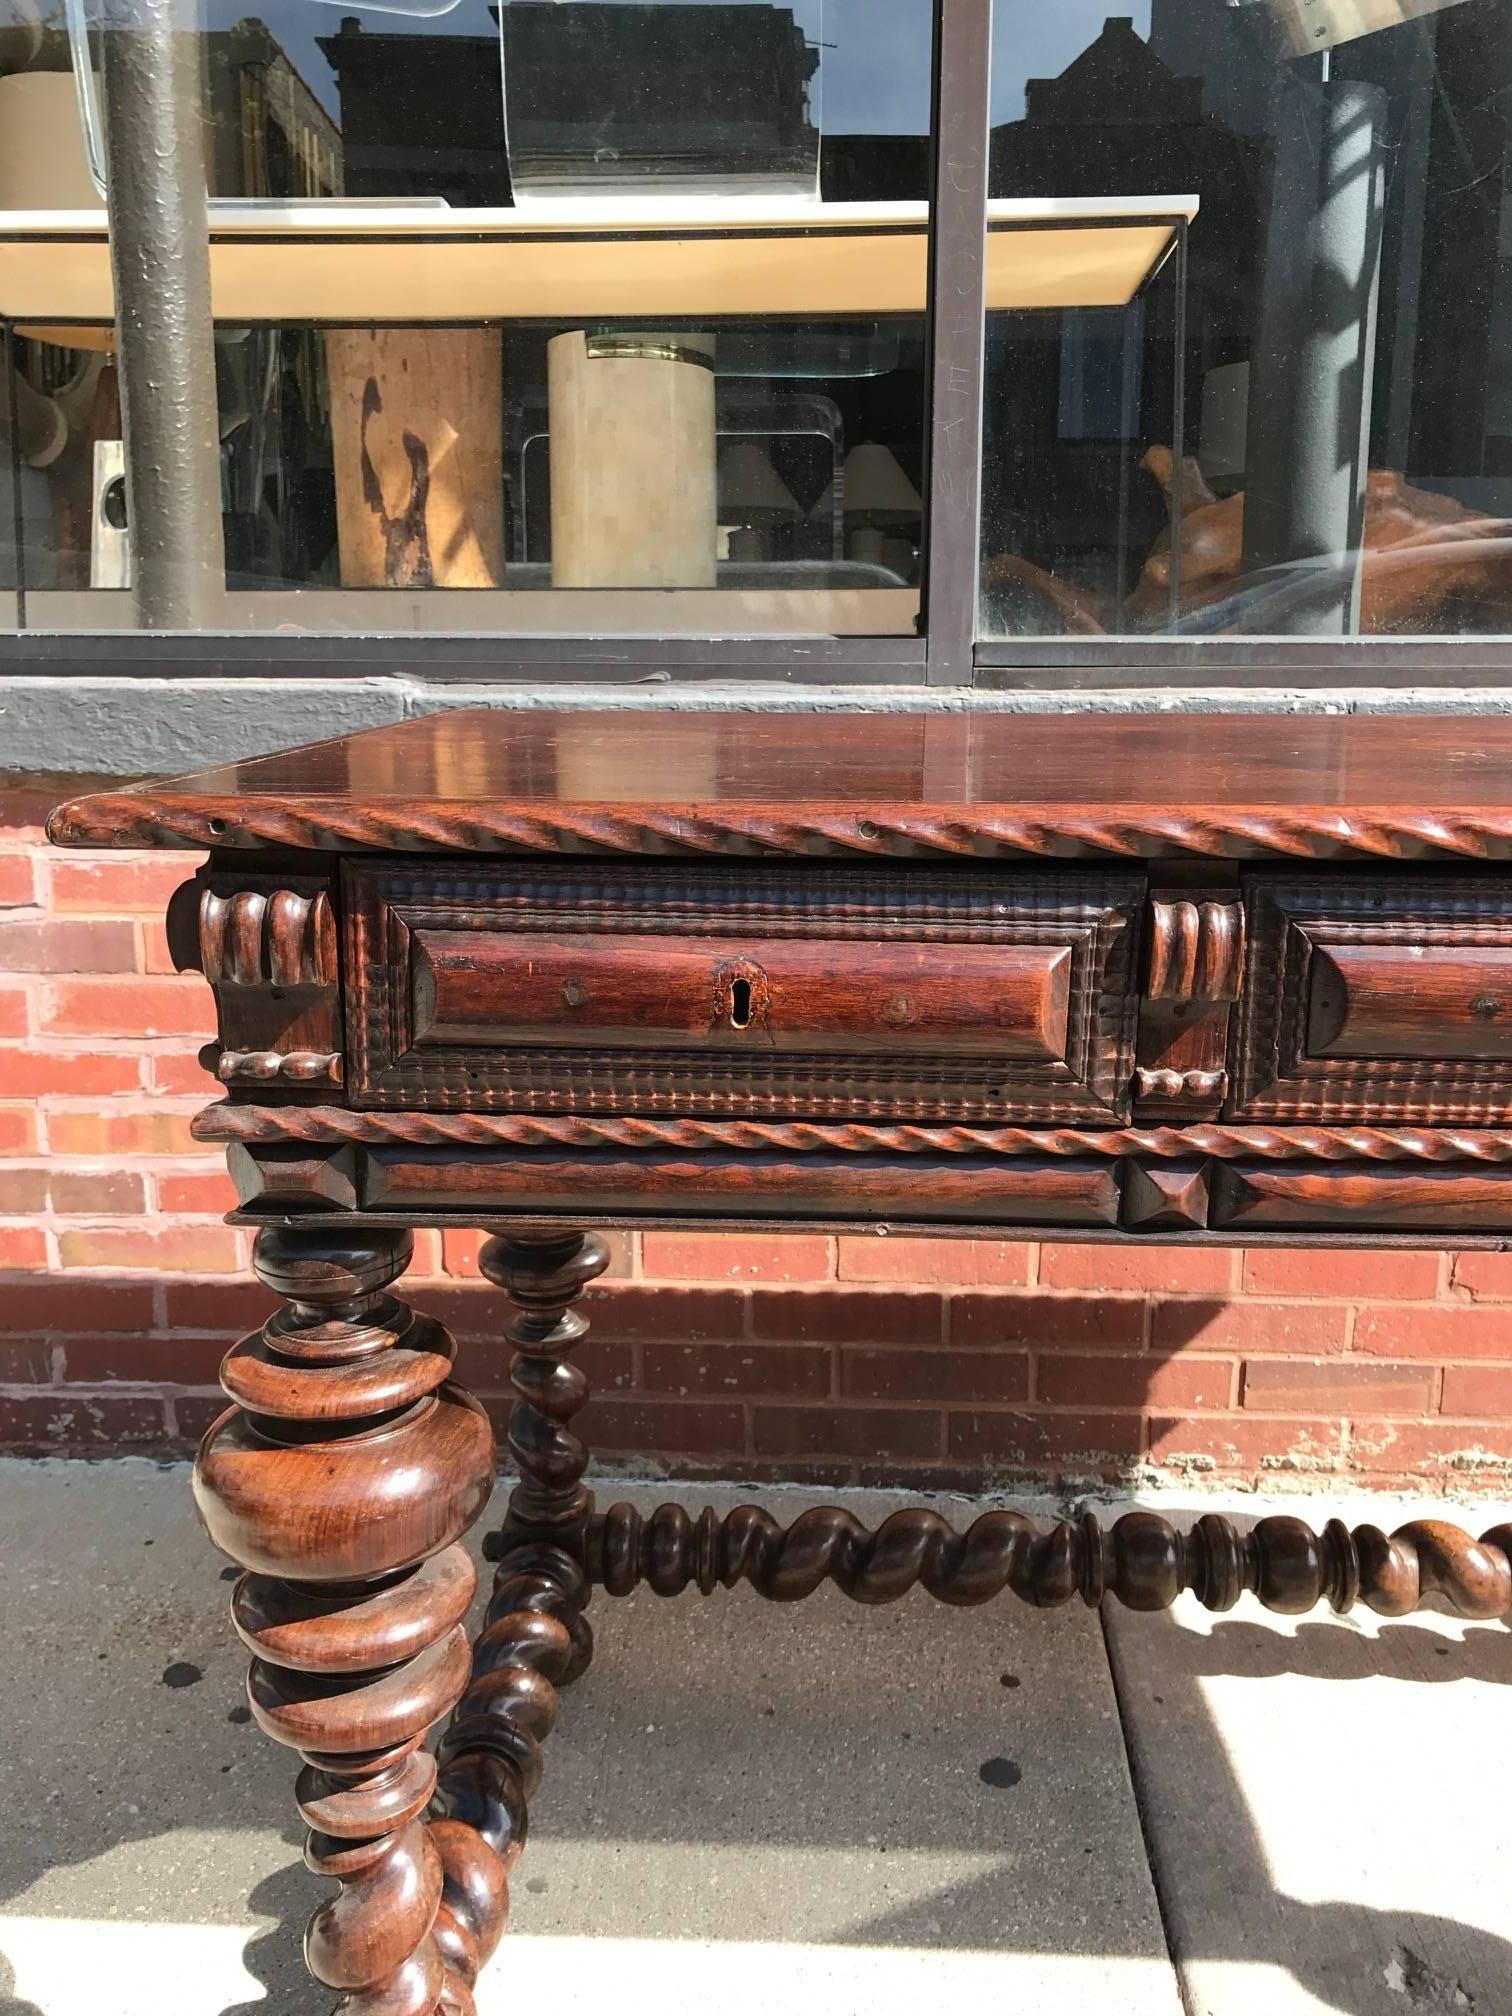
13	526
957	335
1178	421
160	259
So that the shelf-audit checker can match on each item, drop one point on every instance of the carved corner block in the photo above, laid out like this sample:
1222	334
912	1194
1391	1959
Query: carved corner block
1194	976
269	948
294	1177
1166	1196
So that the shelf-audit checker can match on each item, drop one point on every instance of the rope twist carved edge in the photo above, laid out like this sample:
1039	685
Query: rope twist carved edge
336	1125
1305	833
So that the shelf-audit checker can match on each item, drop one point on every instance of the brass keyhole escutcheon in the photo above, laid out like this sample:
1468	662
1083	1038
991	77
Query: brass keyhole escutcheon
1486	1007
574	993
741	997
899	1011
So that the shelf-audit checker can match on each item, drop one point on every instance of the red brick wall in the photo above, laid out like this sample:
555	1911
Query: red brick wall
861	1359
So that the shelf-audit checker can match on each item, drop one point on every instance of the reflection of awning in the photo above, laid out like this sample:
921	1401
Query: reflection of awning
1313	25
407	264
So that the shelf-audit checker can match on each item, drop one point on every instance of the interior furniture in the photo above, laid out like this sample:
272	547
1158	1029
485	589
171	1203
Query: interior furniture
413	299
334	262
1164	978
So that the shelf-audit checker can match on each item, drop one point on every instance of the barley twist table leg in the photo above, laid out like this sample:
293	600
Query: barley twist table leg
1142	1559
341	1481
535	1638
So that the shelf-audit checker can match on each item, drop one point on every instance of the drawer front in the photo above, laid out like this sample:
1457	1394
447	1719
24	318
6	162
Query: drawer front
562	988
790	995
1385	998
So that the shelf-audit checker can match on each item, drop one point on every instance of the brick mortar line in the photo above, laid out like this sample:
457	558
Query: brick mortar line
185	1389
132	1220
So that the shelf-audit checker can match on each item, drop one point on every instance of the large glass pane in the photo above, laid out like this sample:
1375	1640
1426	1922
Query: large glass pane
1301	422
573	316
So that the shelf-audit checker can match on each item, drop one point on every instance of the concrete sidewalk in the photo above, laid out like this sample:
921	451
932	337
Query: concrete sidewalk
819	1808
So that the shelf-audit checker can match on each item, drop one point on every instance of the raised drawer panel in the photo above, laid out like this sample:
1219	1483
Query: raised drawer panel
1300	1196
579	988
1383	997
1380	1001
789	994
964	1188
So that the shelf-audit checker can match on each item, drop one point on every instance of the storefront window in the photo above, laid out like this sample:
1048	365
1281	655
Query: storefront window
567	316
1301	423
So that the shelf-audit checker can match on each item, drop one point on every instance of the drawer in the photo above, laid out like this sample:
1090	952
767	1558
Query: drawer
1385	998
807	993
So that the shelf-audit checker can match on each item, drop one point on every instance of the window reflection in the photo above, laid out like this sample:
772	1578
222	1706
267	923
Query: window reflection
460	347
1340	461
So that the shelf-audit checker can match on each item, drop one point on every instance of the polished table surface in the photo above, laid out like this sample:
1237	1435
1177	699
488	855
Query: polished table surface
475	778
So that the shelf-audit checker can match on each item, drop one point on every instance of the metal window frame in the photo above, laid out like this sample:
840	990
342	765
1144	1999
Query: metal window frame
946	653
942	653
956	329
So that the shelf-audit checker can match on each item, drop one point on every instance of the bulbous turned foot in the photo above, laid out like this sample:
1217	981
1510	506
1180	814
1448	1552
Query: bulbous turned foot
342	1480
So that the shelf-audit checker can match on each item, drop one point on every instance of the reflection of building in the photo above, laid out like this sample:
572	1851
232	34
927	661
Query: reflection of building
421	115
267	134
1446	303
1215	103
1072	400
874	167
1121	121
656	90
1443	371
644	88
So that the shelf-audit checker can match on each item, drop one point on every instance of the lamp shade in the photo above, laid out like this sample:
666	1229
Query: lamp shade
748	484
1311	26
876	486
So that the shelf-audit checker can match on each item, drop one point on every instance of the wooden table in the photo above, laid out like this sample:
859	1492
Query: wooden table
1201	979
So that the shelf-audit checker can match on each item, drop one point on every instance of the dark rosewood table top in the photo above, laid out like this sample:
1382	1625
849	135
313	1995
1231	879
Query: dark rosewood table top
480	780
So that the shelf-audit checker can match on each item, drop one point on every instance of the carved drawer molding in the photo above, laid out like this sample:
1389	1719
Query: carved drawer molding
270	950
1196	950
1194	970
578	988
1385	998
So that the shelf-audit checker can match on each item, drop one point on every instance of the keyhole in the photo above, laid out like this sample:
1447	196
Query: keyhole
740	1004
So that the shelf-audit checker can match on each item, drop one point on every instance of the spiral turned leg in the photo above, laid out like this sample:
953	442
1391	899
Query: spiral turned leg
341	1481
1141	1559
535	1638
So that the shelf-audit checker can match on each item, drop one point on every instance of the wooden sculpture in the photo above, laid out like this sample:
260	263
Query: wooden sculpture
1430	565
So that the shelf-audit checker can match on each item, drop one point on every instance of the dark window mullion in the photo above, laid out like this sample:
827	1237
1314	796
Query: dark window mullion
956	306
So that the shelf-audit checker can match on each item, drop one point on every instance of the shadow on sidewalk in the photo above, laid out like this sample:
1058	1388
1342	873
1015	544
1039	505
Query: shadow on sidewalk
823	1759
